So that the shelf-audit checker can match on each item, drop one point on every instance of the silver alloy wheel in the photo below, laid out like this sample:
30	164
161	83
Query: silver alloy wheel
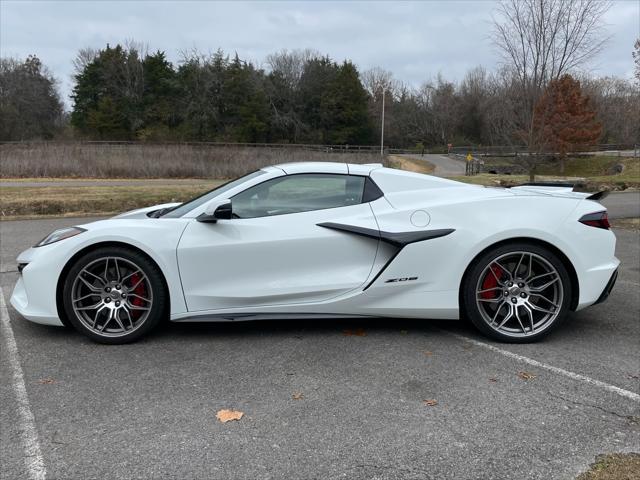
112	296
519	294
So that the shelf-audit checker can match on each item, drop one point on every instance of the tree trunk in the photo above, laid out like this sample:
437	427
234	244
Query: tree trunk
562	165
532	173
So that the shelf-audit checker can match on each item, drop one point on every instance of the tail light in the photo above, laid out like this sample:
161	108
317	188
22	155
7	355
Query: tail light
597	219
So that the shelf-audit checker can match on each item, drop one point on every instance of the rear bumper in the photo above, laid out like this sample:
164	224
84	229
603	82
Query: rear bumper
607	289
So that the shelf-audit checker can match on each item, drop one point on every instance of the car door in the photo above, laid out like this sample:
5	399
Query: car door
273	252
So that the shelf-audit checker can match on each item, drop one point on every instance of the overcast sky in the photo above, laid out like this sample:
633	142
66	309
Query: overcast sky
414	40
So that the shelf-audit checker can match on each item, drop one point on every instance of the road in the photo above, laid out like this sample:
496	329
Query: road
445	166
623	204
147	410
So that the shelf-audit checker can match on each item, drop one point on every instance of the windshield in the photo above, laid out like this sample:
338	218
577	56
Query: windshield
186	207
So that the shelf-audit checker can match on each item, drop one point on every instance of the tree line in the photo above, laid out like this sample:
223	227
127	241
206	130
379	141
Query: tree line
125	92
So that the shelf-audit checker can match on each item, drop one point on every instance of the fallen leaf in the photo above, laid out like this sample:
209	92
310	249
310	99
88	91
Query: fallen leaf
635	377
46	381
526	375
404	332
227	415
467	347
428	353
430	403
493	379
297	396
358	332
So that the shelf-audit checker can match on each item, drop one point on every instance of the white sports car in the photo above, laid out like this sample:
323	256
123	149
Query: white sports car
325	240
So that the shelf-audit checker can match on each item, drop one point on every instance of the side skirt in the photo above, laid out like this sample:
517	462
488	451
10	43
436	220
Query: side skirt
240	317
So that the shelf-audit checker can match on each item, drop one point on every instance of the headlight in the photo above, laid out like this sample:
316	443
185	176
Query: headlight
60	234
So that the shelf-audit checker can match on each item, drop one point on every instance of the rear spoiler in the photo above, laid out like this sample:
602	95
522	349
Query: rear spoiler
559	187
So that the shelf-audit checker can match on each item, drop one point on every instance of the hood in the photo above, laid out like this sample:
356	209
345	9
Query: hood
142	212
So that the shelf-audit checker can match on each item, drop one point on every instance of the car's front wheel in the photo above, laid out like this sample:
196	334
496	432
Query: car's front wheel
114	295
517	292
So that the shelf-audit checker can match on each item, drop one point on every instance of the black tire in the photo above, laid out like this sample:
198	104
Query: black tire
155	288
472	289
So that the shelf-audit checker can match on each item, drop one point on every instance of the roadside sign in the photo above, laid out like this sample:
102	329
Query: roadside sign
469	157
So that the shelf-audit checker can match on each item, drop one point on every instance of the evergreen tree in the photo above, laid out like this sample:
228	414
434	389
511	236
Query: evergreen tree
30	106
344	108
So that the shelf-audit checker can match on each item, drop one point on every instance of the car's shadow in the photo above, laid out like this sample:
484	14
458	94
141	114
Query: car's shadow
185	331
309	327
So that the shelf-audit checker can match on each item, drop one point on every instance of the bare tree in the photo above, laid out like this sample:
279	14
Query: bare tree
84	58
290	64
636	59
540	40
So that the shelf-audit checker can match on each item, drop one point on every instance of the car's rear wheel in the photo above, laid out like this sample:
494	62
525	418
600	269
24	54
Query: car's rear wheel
114	295
517	292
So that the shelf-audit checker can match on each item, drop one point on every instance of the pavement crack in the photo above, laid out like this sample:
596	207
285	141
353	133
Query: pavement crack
630	418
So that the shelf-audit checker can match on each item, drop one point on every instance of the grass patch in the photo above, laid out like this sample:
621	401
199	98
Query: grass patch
142	160
595	167
614	466
20	202
626	223
410	164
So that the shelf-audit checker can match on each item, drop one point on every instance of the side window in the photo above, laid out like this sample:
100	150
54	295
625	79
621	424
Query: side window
298	193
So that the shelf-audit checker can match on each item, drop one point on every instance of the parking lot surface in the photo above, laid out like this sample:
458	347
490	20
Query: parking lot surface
148	410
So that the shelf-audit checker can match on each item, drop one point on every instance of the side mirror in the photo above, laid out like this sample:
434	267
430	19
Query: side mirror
215	211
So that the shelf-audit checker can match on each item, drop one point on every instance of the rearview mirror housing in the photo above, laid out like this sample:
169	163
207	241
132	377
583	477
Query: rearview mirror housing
220	210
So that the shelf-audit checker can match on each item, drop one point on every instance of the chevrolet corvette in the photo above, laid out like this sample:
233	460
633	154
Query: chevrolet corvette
329	240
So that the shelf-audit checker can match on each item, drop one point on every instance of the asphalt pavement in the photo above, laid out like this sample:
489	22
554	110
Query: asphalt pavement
445	166
148	410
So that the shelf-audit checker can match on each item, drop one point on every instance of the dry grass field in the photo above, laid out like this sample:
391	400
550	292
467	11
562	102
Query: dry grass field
18	202
22	165
159	173
101	160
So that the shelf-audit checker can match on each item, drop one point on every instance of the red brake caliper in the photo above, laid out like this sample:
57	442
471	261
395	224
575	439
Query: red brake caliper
490	281
140	290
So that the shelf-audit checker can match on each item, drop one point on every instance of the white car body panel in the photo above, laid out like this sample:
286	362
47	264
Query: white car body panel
288	265
299	261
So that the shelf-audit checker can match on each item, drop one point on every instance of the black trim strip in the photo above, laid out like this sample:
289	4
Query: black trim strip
397	239
599	195
545	184
384	267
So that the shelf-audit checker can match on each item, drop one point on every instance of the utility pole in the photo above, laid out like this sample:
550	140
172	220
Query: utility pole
382	133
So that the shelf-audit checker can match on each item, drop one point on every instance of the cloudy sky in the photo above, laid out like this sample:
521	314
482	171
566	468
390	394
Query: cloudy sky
415	40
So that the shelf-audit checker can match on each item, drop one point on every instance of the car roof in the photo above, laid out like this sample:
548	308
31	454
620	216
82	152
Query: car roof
328	167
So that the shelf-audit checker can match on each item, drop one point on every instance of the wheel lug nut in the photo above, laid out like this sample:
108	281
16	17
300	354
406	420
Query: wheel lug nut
108	289
124	295
523	295
117	287
510	284
514	300
107	300
521	284
506	292
117	303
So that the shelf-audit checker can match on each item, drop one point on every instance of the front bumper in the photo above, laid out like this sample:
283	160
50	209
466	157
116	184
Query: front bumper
20	301
34	294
